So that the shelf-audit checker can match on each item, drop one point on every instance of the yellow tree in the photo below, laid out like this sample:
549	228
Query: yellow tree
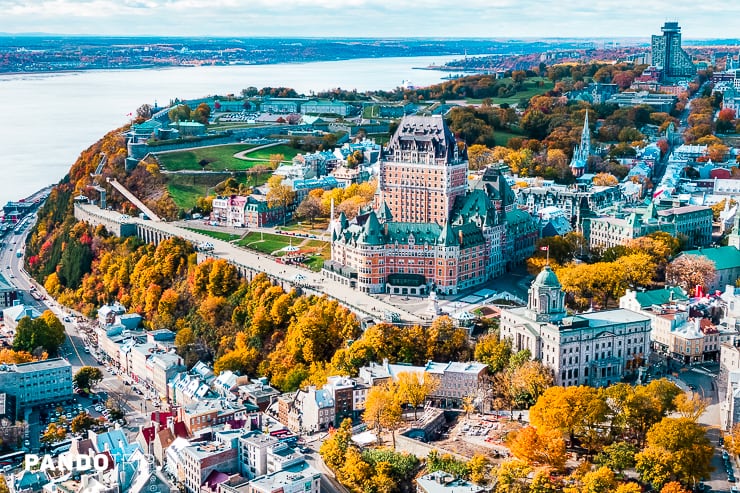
479	469
382	409
673	487
732	440
413	388
605	180
628	488
601	480
480	156
512	476
691	405
538	447
355	473
279	195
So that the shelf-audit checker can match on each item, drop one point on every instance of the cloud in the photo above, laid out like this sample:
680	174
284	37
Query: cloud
370	18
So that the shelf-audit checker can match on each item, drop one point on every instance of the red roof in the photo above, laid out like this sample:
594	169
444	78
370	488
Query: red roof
148	434
161	418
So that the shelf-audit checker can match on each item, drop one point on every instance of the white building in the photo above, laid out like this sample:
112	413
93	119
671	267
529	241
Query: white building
300	478
596	348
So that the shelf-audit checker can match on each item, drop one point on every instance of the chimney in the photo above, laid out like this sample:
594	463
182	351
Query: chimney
459	233
171	424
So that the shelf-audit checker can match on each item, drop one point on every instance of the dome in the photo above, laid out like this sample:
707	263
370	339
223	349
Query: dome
547	278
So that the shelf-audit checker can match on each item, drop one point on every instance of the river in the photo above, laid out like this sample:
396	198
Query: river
50	118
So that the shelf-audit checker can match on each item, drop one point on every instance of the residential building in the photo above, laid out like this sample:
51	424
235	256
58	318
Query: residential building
298	478
593	348
728	385
229	210
8	292
456	380
668	55
107	313
14	314
316	409
576	202
208	413
349	396
201	459
427	231
258	393
40	382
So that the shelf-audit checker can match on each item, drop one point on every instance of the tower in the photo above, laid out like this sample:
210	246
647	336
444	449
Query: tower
668	55
582	151
734	238
546	300
422	171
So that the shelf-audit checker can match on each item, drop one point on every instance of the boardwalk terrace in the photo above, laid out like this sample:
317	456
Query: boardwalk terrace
429	231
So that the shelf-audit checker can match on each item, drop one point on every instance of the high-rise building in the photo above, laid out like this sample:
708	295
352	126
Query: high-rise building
668	55
430	231
423	171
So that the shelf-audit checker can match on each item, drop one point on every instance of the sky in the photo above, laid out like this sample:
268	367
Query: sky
372	18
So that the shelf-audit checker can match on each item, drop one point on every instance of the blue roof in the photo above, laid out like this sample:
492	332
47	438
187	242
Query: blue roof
110	441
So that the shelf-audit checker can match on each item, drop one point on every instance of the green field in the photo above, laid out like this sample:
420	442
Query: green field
185	189
219	235
502	136
531	88
266	242
264	154
218	157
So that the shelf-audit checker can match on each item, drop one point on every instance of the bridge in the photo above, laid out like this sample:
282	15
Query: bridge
248	263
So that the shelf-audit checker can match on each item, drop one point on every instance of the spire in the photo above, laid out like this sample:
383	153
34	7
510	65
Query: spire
384	214
447	237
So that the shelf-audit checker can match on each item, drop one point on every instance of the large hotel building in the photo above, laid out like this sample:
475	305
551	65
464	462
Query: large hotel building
430	229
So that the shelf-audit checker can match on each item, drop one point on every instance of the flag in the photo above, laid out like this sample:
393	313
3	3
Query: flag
130	114
545	248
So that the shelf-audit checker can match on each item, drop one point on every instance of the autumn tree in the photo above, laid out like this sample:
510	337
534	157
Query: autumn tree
82	422
43	334
691	405
413	388
601	480
617	456
673	487
480	156
689	271
678	447
605	180
512	476
309	209
53	433
382	409
538	446
493	351
279	195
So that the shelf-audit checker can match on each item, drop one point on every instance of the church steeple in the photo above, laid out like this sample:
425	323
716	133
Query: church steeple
582	151
734	238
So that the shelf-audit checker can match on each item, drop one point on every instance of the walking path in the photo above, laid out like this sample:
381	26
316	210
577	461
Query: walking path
132	198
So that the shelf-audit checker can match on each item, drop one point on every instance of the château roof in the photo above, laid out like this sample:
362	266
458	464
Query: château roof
425	134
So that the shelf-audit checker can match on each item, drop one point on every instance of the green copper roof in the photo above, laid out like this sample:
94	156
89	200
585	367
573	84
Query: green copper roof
447	237
660	296
725	257
547	278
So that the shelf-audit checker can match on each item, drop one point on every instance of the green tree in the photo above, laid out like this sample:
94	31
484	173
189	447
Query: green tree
87	377
617	456
45	333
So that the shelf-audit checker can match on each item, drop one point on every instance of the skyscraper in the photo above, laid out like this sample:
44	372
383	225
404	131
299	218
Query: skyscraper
669	56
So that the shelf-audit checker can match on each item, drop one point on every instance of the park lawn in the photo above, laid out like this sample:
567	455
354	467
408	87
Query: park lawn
264	154
219	158
315	263
219	235
186	189
502	137
531	88
266	242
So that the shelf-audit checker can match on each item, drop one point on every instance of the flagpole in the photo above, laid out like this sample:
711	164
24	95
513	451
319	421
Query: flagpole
547	259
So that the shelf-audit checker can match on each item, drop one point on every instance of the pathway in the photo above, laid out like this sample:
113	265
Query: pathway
134	200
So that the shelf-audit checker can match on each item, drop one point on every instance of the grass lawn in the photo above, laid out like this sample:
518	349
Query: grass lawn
186	189
218	157
264	154
531	88
502	137
219	235
266	242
